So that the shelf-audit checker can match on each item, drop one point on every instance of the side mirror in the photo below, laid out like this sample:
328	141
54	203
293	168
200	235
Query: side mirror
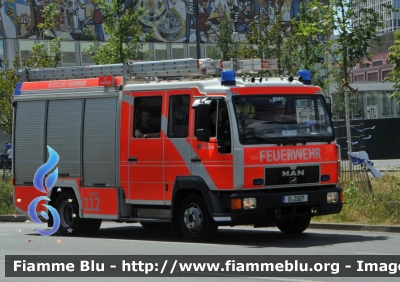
329	105
203	121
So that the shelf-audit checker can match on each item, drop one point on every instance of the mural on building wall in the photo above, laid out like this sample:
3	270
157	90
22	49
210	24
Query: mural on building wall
174	20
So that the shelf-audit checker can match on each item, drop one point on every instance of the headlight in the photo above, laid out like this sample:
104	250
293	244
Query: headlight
249	203
332	197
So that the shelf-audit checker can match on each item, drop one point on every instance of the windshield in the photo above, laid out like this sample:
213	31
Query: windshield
282	119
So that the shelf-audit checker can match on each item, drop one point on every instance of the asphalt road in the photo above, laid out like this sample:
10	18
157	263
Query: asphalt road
132	239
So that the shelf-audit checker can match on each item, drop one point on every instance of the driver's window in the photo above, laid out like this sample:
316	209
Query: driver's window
220	125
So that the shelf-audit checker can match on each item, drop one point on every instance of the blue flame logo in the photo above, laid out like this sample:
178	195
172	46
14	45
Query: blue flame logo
50	180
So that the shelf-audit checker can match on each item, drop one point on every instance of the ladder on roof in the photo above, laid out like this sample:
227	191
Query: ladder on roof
143	69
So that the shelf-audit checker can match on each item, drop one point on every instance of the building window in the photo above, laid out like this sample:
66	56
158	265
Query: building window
385	73
2	51
160	51
377	63
177	51
25	48
192	51
145	53
86	59
371	98
387	105
373	76
363	66
211	49
68	50
359	77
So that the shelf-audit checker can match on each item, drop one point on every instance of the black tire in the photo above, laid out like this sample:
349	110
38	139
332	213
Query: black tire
155	225
294	226
67	206
194	219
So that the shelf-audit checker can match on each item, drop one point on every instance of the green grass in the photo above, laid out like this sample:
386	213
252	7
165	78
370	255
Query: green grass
381	206
6	196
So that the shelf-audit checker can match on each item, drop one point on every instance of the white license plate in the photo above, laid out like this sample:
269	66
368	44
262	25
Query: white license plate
295	199
289	132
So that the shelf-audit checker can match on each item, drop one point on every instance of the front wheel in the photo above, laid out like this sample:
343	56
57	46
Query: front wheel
294	226
70	222
195	221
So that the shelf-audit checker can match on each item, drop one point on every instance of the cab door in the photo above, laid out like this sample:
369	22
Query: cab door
177	144
145	157
209	160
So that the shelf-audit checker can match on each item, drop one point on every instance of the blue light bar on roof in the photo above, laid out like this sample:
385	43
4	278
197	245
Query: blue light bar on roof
304	76
228	77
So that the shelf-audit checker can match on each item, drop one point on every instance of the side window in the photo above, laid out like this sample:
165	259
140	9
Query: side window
147	117
220	125
178	122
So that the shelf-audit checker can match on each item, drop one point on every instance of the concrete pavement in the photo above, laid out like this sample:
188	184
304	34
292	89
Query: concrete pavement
326	226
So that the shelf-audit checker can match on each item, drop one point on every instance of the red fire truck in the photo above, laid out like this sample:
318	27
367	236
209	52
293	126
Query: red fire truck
165	144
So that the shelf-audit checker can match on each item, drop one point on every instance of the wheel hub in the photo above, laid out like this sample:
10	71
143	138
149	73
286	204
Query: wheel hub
193	218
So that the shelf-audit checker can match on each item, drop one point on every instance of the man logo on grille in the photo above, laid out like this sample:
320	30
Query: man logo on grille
293	173
292	180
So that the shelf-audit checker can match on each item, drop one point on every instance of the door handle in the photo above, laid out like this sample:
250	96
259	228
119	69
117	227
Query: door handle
132	159
196	160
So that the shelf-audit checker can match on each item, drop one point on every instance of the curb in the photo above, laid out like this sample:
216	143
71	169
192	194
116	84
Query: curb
13	218
355	227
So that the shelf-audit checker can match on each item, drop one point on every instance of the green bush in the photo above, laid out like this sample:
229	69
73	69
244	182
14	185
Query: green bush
6	196
382	206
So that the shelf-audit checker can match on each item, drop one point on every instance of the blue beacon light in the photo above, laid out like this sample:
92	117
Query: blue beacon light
228	77
305	76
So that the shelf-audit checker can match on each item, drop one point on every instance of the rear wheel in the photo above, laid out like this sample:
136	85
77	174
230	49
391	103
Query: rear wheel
294	226
195	221
70	222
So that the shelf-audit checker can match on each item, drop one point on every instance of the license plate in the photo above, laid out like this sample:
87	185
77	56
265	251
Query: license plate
289	132
295	199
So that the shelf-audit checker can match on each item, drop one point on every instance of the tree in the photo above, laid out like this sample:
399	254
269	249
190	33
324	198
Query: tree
309	38
121	21
43	54
46	54
227	46
394	58
355	28
257	41
8	80
272	39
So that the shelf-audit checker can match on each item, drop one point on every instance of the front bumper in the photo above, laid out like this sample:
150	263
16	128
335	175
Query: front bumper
270	206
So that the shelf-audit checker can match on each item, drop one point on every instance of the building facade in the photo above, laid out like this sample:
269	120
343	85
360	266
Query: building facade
372	98
173	22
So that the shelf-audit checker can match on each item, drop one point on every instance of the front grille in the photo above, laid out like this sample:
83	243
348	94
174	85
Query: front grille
287	175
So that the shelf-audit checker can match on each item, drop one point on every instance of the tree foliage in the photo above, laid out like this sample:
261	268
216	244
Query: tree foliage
8	80
121	21
227	45
394	58
355	28
46	54
257	42
309	43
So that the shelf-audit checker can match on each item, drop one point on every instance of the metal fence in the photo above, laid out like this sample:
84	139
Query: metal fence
357	175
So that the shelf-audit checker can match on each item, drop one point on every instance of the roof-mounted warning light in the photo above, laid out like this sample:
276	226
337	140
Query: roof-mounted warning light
304	76
228	77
